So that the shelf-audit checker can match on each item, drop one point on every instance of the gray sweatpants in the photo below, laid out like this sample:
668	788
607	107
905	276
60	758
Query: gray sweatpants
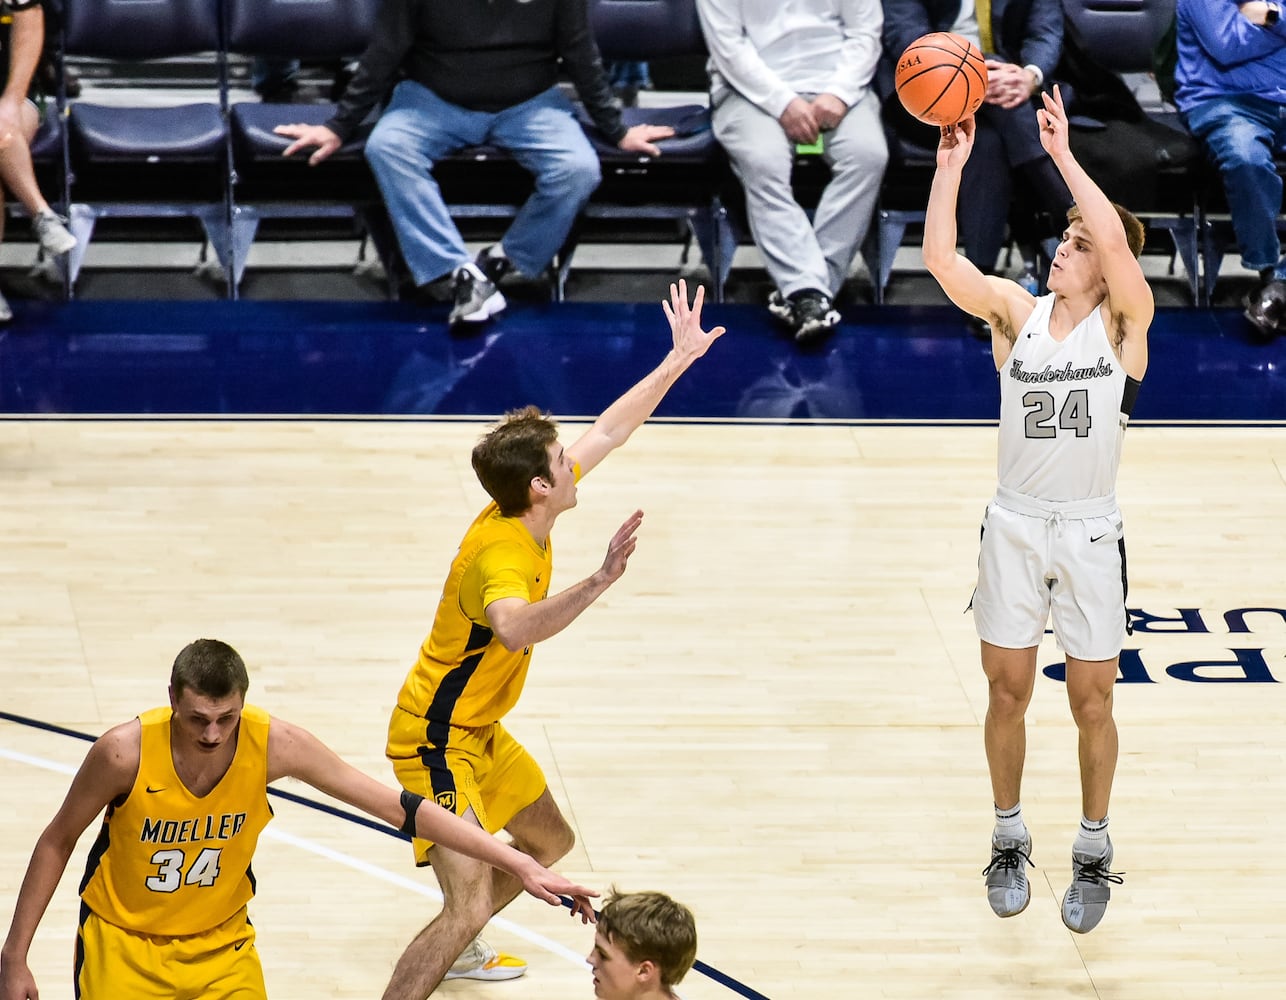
801	254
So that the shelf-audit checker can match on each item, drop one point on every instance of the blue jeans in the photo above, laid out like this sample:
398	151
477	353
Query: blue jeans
419	128
1241	132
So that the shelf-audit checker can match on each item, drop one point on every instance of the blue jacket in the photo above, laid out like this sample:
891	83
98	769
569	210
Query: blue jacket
1221	53
1025	32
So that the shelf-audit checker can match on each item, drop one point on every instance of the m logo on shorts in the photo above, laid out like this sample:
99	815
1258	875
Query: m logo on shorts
446	800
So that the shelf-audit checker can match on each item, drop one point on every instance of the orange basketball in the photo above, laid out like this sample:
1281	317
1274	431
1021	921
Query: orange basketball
941	78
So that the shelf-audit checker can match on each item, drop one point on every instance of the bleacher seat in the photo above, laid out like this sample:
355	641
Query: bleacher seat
266	185
684	182
159	161
1122	36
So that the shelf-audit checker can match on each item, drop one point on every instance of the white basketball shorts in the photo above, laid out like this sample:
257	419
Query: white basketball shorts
1052	561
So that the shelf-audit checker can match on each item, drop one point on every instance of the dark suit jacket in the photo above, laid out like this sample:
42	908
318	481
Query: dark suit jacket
1025	32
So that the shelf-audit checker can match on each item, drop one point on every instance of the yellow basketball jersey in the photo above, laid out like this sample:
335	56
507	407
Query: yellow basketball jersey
168	863
464	675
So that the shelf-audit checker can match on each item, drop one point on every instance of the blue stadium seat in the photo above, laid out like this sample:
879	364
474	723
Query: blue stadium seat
264	183
684	182
155	161
1122	36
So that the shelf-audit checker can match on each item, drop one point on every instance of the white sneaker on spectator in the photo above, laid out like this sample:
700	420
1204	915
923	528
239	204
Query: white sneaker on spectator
54	237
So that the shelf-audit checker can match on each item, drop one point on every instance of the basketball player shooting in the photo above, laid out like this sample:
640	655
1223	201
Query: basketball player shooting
1053	547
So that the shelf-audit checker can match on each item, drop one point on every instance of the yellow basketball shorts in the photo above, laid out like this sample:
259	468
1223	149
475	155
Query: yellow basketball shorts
483	769
221	964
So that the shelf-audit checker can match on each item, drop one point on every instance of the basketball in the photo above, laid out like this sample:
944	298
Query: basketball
941	78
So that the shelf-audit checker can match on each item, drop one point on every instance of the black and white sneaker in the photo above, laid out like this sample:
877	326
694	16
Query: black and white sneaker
1265	308
814	315
781	309
494	264
476	297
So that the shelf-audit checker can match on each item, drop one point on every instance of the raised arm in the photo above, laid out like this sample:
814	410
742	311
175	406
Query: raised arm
518	623
1128	304
107	773
296	753
1004	304
614	427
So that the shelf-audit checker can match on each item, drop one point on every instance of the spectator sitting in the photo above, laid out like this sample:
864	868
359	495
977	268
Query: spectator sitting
1231	91
1022	40
782	77
19	120
478	74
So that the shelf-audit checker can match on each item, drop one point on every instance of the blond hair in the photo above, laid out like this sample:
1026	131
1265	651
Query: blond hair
651	927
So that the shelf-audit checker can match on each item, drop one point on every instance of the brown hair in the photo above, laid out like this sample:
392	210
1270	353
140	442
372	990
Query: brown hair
1134	231
512	454
651	927
211	668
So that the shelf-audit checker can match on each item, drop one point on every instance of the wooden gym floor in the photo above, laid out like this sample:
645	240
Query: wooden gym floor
775	715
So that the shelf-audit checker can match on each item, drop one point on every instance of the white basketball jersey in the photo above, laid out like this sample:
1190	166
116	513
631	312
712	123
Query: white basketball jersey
1064	406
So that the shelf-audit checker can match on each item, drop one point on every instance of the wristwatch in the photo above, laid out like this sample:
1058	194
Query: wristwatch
1272	15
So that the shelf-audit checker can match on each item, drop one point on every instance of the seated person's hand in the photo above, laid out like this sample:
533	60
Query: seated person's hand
828	111
307	137
1008	85
800	121
640	139
1255	11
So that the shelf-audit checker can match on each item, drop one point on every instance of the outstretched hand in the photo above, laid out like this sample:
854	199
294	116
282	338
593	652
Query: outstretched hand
550	886
690	341
955	144
621	547
583	908
1053	124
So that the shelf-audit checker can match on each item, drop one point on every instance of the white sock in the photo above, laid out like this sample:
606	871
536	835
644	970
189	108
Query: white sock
496	251
1009	823
1091	837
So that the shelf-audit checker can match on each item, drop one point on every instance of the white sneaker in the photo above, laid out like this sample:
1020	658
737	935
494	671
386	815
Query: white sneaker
6	313
481	961
54	237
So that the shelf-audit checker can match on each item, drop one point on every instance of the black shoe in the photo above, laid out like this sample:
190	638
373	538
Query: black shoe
493	266
476	298
814	315
1266	310
781	309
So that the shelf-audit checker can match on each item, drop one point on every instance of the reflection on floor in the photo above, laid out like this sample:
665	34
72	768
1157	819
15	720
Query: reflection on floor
889	363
